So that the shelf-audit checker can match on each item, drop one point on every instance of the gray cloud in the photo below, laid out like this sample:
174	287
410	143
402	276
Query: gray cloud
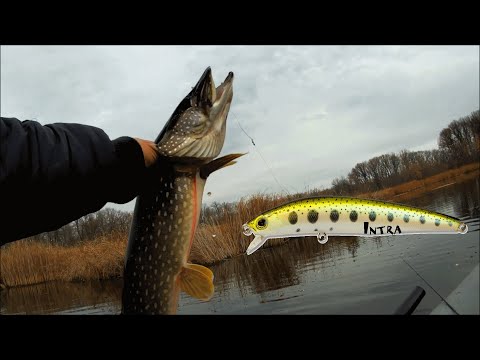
313	111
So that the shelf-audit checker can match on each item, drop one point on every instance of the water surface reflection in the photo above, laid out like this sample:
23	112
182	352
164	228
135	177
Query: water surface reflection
348	275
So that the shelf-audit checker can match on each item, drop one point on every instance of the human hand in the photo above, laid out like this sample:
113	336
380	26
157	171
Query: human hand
150	151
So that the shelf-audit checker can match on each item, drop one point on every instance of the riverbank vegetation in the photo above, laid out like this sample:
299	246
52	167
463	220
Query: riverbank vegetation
93	247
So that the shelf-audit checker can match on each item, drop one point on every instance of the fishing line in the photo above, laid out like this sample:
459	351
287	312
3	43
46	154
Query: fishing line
259	153
431	287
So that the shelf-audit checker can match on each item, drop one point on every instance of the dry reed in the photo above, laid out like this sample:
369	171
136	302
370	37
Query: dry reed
26	262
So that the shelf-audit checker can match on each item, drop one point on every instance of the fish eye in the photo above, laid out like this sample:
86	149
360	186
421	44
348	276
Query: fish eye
262	223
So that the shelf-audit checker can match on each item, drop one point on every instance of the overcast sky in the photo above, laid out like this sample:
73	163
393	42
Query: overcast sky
313	111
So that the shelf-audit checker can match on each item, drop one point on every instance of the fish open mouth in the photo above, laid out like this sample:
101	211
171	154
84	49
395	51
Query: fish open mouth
205	88
196	130
225	85
247	230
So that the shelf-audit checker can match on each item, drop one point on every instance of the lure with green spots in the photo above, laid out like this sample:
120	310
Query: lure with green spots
346	216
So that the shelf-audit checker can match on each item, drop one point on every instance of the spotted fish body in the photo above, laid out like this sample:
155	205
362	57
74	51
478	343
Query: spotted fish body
346	216
167	211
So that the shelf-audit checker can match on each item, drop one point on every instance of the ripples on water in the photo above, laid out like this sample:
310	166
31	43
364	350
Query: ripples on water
348	275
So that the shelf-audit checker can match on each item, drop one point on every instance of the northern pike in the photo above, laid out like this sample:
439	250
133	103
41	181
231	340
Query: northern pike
346	216
167	210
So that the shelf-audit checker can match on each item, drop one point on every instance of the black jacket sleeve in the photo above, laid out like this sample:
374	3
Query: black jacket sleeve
53	174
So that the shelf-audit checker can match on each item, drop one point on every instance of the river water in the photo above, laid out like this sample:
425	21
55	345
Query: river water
351	275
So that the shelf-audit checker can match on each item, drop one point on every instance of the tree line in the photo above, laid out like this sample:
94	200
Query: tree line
458	144
89	227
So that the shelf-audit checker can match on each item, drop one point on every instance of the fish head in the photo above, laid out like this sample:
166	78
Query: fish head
263	228
196	129
258	225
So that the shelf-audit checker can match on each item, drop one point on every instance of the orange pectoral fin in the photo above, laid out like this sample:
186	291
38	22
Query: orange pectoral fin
197	281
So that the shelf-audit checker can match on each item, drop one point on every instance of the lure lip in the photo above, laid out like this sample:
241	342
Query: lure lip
256	244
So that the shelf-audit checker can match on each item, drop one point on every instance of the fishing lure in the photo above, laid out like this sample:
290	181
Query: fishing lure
346	216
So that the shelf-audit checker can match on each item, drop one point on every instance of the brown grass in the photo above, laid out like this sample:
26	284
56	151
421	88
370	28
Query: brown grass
214	242
27	262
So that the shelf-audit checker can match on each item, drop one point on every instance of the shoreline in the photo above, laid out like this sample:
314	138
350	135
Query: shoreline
412	189
29	263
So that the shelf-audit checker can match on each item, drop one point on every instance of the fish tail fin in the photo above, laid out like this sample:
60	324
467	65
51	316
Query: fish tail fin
219	163
197	281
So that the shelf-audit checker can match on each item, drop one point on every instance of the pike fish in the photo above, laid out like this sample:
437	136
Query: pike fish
167	210
346	216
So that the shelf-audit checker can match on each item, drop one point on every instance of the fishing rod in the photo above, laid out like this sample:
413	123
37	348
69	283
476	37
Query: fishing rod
431	287
411	302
